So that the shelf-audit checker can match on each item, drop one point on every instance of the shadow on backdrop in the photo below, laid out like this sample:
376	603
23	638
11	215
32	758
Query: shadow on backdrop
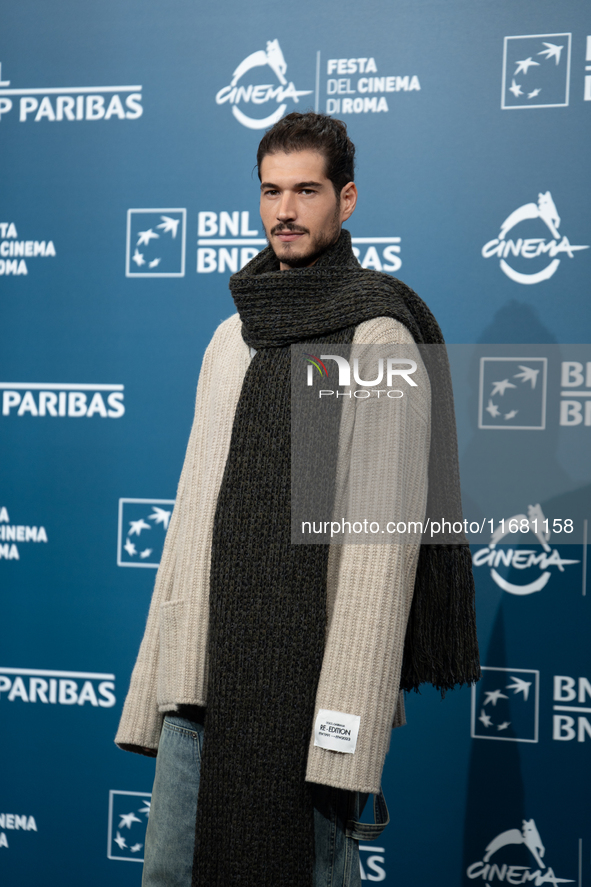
495	800
504	473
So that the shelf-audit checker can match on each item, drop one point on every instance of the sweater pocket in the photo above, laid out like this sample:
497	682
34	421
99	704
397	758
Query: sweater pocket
172	622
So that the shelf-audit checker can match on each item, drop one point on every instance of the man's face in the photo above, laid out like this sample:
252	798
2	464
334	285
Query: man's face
301	214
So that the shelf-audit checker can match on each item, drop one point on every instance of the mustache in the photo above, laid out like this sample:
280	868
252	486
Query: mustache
289	226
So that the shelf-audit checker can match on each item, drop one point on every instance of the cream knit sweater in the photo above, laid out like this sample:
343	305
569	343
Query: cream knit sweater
369	589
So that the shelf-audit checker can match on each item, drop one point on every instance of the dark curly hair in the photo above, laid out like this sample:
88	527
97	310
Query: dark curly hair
313	132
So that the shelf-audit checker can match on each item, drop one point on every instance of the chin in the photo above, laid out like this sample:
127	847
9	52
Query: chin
297	259
289	256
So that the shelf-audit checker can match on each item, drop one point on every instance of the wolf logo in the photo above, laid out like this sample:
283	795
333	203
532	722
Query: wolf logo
544	209
272	57
529	835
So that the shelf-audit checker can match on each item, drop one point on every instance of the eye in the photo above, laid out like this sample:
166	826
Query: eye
307	191
270	192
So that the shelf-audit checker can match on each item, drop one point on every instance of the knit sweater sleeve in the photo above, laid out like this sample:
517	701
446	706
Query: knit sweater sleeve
369	586
141	721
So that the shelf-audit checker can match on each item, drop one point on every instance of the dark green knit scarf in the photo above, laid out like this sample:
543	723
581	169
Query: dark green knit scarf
268	597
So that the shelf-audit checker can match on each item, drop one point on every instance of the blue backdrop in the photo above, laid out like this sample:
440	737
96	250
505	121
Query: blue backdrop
129	131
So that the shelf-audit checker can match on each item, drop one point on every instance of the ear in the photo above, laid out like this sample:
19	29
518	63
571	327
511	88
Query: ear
348	200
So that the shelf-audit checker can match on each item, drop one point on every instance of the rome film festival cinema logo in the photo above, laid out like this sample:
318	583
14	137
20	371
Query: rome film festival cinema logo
505	705
498	862
128	819
142	528
524	560
536	71
250	95
521	251
362	95
155	245
71	103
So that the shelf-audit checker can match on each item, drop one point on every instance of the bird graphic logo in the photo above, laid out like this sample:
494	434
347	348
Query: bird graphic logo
144	237
552	51
143	524
524	65
128	818
505	705
536	71
160	516
156	242
512	393
136	527
169	224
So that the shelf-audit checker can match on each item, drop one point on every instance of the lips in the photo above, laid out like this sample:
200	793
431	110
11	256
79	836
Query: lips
289	236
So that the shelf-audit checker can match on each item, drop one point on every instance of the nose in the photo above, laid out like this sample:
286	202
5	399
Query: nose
286	210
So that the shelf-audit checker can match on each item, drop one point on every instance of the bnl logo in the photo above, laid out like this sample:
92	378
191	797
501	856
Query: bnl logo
142	528
128	819
536	71
155	243
505	704
513	393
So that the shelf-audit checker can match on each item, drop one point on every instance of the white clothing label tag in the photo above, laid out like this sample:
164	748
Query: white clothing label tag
336	731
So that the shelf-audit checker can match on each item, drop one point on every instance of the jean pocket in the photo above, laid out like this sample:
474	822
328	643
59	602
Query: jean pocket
181	730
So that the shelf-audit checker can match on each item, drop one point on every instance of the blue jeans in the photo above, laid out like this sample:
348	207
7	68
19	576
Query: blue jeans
170	837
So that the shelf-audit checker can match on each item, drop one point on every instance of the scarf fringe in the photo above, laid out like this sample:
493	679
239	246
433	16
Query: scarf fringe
441	646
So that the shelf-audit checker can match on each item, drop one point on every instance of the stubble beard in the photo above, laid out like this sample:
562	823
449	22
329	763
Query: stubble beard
317	247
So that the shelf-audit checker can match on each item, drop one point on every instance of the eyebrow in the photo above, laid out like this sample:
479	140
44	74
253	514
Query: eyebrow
298	185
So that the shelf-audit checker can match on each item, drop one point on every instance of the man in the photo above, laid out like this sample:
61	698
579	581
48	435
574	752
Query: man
250	637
